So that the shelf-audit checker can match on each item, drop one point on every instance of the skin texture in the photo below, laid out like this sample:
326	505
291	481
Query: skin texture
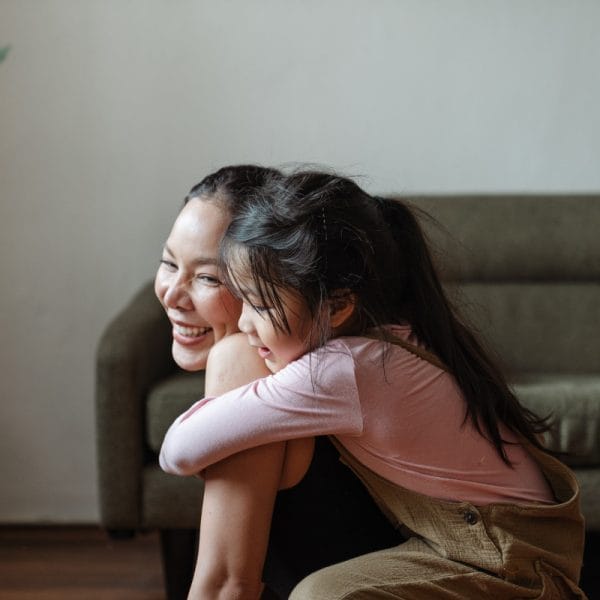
188	284
277	349
240	491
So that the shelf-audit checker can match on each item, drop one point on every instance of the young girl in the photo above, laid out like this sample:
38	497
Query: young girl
341	300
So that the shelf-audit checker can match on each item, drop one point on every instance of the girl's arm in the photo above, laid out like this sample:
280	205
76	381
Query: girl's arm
314	395
240	491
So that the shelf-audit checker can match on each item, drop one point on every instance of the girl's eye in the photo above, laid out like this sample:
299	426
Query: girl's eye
261	309
257	308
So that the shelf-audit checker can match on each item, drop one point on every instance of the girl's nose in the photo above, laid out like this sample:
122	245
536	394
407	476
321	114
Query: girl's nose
245	321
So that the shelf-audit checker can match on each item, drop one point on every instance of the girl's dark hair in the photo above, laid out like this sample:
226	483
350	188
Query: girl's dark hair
322	236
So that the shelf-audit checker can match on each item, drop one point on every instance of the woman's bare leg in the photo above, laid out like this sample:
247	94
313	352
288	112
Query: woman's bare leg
236	516
240	491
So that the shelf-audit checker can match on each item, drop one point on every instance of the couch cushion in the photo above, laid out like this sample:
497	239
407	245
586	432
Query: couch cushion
536	327
574	400
515	238
167	401
170	502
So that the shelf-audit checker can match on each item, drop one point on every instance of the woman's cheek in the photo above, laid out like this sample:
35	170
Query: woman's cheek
232	309
221	311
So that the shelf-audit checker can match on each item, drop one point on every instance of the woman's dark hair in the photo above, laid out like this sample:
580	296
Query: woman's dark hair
234	185
322	236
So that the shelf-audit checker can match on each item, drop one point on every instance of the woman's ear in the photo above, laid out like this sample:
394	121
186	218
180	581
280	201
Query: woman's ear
341	307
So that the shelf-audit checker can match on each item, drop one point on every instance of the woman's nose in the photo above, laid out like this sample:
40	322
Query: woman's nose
176	294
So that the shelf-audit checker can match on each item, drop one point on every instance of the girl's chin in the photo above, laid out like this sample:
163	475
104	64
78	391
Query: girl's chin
273	366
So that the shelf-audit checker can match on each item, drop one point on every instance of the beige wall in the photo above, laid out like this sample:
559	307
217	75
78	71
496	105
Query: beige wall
111	110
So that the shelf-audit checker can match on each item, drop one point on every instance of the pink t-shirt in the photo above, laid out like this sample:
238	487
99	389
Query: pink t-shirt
400	416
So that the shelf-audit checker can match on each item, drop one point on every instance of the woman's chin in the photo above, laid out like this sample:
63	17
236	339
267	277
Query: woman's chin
191	359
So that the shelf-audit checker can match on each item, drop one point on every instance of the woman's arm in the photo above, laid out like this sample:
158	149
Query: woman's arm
240	491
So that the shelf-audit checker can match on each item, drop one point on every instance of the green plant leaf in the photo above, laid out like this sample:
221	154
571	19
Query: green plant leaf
4	52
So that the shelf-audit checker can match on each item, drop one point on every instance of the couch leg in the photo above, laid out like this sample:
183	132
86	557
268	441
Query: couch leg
178	548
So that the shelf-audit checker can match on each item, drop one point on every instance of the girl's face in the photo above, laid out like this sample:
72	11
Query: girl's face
277	348
188	284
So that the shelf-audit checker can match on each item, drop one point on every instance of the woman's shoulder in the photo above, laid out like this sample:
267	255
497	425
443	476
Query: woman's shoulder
236	342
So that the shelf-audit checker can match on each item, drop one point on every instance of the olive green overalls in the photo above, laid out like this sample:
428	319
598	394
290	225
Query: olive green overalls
457	550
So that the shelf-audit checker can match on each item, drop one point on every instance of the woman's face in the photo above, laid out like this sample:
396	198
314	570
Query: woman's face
188	283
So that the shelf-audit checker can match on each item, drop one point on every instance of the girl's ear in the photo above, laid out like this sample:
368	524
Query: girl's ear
341	307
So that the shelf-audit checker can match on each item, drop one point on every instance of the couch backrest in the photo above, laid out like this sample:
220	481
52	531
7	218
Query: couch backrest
525	270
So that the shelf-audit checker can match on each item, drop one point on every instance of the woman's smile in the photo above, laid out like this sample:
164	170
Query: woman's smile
189	334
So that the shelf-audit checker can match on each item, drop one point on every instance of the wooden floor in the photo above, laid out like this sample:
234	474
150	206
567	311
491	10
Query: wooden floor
65	563
68	563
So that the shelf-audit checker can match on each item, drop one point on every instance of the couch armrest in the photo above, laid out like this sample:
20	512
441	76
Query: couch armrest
133	353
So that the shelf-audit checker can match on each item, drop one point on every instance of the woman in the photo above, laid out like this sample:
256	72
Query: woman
240	491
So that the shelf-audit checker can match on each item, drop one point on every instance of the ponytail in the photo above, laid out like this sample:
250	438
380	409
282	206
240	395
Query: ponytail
320	234
437	325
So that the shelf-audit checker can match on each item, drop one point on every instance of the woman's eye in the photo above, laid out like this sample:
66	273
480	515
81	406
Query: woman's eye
168	264
208	280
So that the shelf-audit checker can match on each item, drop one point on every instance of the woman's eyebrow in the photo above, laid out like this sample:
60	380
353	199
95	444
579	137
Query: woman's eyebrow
198	260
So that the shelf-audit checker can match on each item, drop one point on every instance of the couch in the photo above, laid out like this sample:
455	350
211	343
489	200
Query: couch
524	269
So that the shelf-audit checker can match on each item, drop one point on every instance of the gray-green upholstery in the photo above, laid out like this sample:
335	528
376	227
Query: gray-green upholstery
139	391
525	270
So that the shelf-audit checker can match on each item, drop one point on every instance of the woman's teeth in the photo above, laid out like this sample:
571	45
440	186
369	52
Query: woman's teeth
191	331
